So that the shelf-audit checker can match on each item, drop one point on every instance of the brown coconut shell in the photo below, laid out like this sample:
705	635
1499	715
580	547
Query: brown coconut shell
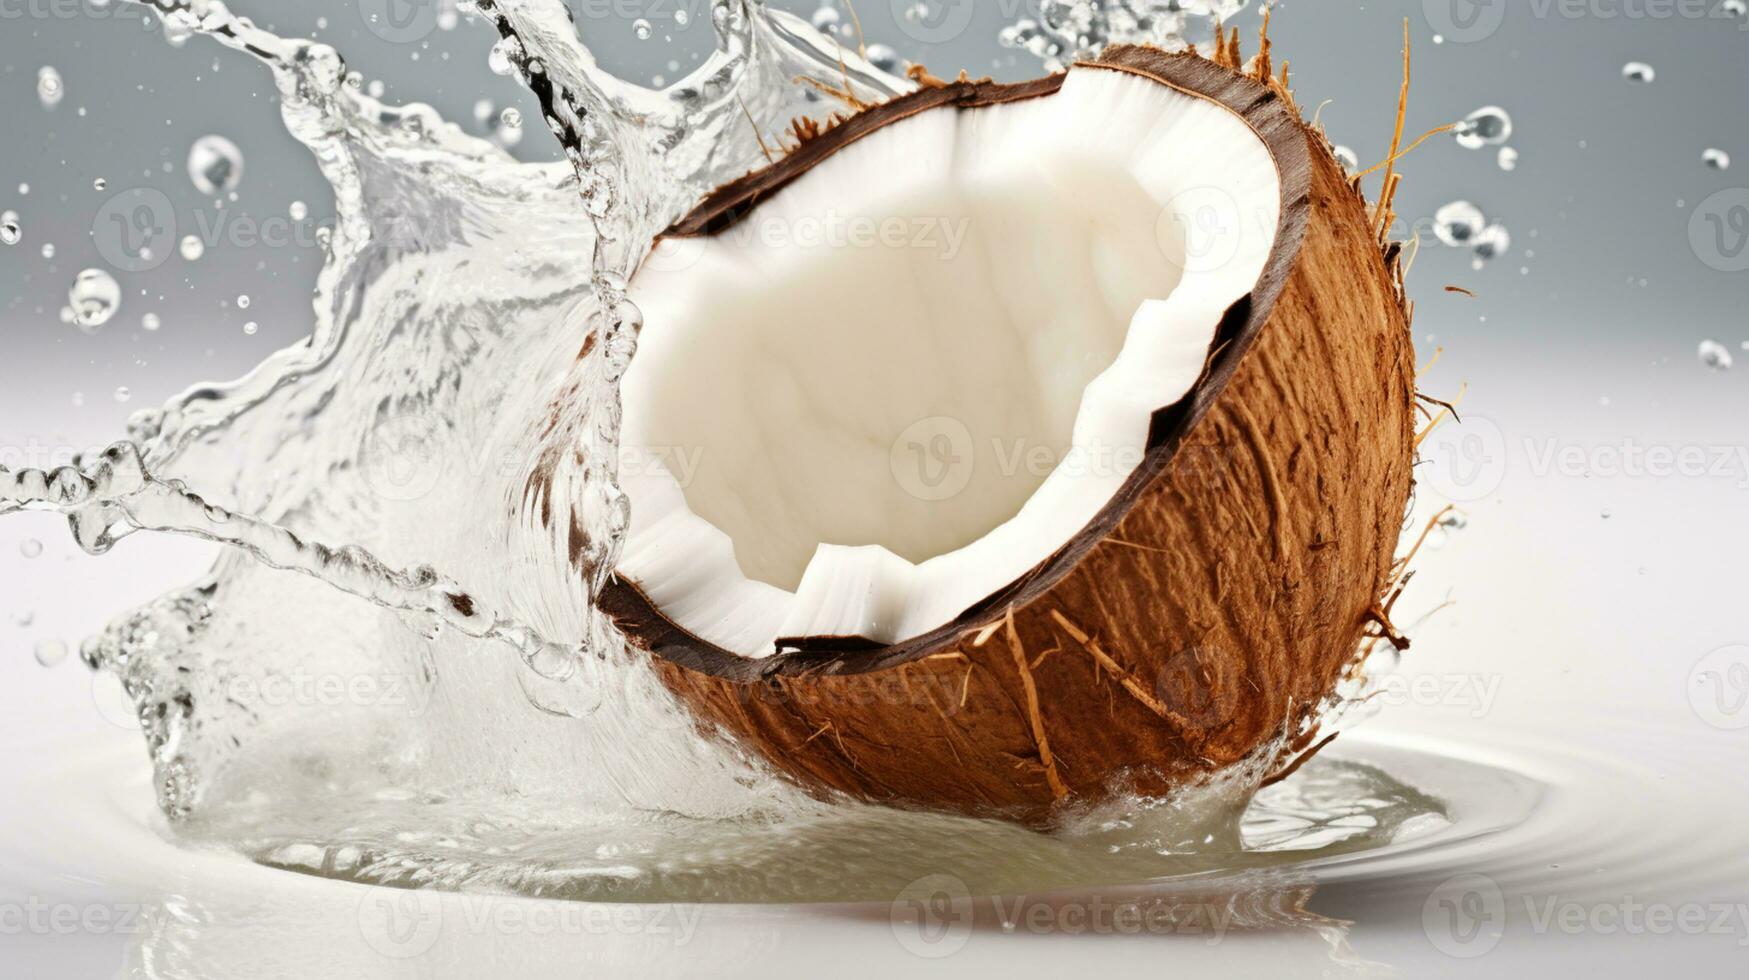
1212	606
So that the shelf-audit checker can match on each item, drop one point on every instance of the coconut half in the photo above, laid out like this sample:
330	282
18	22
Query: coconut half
1011	443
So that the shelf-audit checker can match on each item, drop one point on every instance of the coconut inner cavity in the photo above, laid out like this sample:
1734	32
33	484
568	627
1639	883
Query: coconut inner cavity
923	366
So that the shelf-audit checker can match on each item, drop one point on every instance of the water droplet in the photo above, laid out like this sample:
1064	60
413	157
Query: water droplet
150	322
122	394
94	298
1714	355
1458	223
502	58
883	57
191	247
99	184
1639	72
243	301
1492	242
30	548
642	29
1487	126
49	87
483	111
215	165
511	118
1735	8
1508	159
682	18
48	250
1717	159
299	210
10	233
250	328
827	19
50	653
1347	157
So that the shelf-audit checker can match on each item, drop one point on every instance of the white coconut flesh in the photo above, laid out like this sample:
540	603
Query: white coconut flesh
924	366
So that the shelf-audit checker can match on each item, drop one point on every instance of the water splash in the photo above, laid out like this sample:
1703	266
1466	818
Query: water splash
1066	31
454	410
335	458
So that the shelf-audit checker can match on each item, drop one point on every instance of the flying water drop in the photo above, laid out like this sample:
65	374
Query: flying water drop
50	653
883	57
1458	223
50	89
215	165
1491	243
1639	73
502	58
94	298
1715	355
1487	126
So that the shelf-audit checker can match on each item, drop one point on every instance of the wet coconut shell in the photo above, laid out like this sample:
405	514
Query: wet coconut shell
1211	608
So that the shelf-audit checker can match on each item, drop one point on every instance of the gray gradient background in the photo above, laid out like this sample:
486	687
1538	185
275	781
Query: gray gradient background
1576	584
